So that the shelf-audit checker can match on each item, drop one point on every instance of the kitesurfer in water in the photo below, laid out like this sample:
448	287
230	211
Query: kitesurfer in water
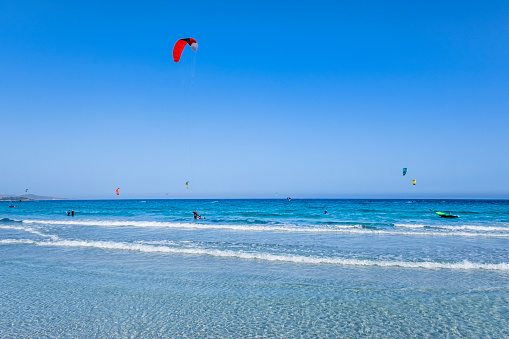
196	216
69	213
325	212
72	213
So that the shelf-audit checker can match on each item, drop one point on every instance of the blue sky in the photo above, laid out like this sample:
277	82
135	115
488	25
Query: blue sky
321	99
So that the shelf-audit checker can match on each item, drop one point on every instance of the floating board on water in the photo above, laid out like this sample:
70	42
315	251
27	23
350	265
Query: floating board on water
449	216
445	215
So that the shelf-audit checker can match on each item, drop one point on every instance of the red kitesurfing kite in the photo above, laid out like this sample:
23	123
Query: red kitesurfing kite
117	190
179	47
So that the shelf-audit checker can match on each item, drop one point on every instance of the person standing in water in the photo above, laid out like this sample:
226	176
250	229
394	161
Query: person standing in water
68	212
195	214
72	213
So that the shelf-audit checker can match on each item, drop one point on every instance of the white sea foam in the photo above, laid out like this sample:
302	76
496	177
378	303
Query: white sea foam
430	232
411	225
458	227
301	259
29	230
426	233
17	241
477	228
343	229
113	223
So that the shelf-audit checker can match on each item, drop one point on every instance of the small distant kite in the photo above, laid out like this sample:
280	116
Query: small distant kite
179	47
26	190
187	184
404	171
117	191
413	181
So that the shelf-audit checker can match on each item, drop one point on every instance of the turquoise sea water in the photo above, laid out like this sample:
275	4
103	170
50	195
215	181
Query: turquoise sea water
254	268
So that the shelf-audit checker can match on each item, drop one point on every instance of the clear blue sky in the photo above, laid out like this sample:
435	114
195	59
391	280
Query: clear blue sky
306	99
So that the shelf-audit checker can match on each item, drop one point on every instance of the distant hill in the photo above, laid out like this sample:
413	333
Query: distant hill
39	197
13	198
25	197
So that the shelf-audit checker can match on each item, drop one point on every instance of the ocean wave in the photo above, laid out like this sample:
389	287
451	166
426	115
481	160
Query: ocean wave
458	227
291	258
16	241
476	228
249	227
9	220
339	229
426	233
29	230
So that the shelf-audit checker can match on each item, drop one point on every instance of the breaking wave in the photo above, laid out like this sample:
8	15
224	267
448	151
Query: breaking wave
458	227
112	223
425	230
29	230
291	258
9	220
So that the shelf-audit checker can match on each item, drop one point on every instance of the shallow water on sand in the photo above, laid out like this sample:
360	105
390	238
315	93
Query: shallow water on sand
249	268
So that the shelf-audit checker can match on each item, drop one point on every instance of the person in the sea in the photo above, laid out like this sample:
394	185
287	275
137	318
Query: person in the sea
195	214
325	212
72	213
68	212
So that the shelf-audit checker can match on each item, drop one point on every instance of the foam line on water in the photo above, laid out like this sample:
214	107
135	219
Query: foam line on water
355	230
458	227
300	259
112	223
29	230
16	241
9	220
430	233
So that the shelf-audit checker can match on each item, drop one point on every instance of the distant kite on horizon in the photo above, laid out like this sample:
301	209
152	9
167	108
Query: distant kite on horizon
413	181
117	191
26	190
404	171
187	184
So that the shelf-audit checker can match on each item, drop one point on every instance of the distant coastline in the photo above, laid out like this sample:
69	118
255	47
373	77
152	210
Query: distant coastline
14	199
26	197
